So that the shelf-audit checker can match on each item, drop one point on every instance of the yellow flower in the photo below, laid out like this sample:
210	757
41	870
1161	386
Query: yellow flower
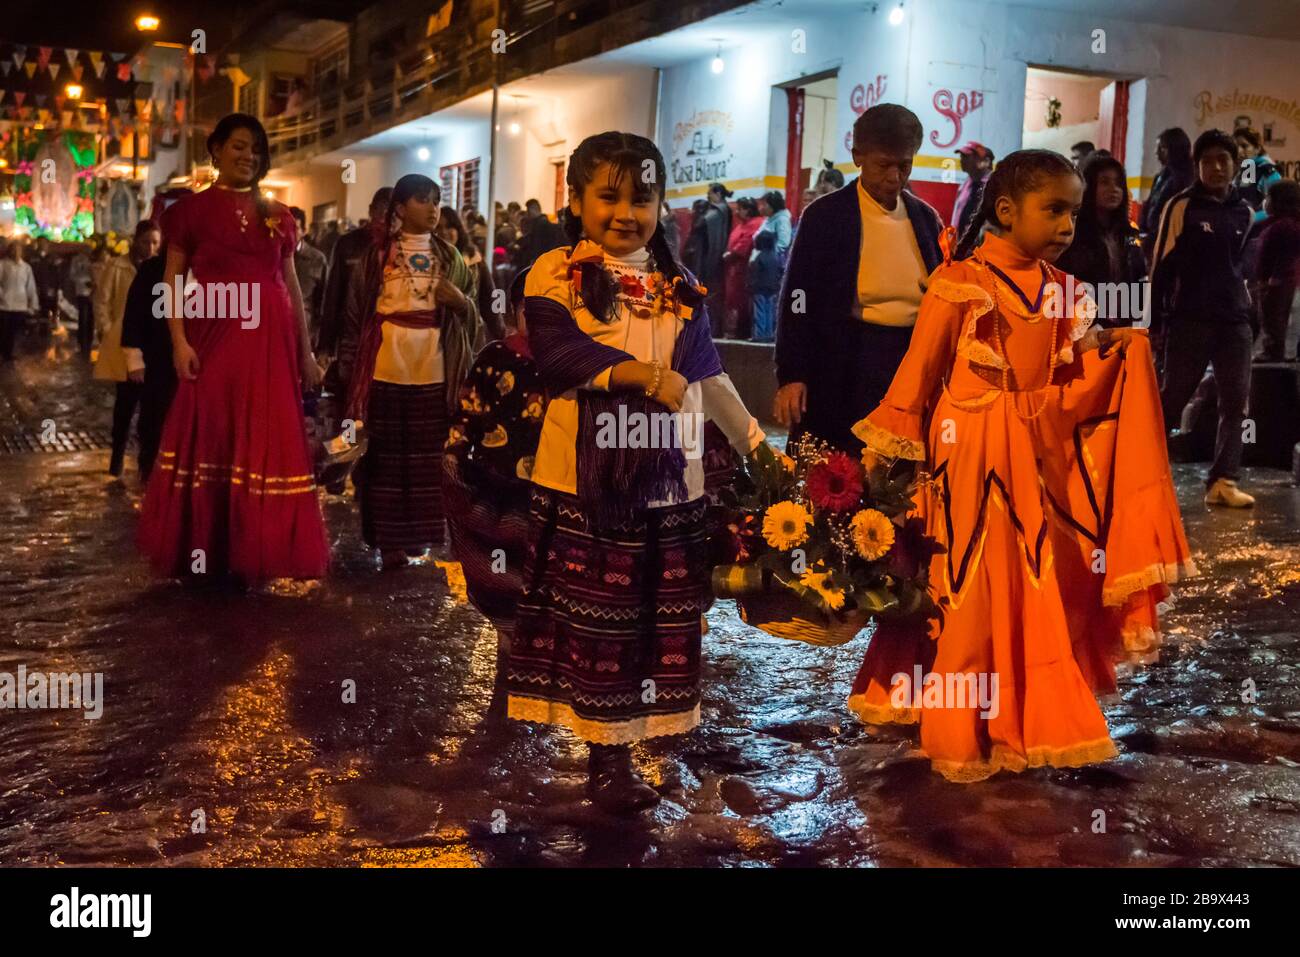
817	582
506	382
496	438
785	525
873	533
785	461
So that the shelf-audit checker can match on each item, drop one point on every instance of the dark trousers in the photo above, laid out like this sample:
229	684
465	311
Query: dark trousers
1275	317
155	399
85	324
715	303
1224	346
11	326
128	397
859	362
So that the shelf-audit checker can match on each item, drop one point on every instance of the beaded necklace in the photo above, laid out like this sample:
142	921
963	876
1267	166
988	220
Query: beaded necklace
1035	315
408	276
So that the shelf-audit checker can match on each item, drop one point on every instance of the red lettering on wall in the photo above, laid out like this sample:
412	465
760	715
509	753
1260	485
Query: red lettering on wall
863	98
955	109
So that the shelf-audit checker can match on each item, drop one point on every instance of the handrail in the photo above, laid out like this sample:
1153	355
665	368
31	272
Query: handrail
312	118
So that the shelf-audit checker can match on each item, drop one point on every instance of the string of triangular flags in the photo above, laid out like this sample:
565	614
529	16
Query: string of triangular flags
34	81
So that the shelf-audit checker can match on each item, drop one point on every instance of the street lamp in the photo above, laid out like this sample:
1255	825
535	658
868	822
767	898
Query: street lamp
146	23
73	90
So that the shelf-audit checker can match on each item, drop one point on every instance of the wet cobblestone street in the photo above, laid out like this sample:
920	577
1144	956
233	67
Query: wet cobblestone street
230	704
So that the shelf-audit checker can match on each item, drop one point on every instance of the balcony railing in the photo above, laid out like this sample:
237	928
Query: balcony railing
460	62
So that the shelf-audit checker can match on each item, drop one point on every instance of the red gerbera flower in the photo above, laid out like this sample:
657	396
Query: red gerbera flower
632	287
835	483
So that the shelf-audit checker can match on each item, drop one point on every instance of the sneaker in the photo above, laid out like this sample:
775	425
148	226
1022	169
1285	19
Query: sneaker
1225	492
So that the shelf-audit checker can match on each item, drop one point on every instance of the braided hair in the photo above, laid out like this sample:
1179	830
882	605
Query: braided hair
627	155
1021	172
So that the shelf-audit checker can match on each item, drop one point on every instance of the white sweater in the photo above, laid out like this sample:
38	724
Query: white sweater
17	287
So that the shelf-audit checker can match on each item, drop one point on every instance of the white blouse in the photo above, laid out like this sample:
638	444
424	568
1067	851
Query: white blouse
409	356
646	335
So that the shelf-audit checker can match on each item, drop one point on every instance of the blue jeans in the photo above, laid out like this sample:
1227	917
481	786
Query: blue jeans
764	318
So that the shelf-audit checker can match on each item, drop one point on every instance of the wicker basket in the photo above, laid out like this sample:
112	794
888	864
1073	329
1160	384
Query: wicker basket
785	616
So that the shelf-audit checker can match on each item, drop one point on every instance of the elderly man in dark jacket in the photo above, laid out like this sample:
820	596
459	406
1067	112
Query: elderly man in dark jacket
858	268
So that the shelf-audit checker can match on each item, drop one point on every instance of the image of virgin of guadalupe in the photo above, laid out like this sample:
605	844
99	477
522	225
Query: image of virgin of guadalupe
54	184
122	209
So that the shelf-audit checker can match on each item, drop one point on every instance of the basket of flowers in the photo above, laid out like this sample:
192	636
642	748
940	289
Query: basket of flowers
813	544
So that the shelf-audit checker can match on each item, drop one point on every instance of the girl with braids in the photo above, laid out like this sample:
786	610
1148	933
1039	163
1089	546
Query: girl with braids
607	636
410	331
1047	483
232	490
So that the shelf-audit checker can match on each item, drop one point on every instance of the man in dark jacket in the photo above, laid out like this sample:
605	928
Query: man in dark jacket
1200	307
348	251
853	286
311	267
540	235
147	342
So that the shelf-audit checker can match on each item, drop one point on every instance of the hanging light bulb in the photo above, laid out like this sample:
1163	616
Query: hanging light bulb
896	16
514	127
718	65
423	154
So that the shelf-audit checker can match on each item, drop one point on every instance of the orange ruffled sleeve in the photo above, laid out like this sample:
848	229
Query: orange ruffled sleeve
896	427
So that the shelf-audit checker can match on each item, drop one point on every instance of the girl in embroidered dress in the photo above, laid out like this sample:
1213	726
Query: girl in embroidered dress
1048	484
607	637
233	490
410	331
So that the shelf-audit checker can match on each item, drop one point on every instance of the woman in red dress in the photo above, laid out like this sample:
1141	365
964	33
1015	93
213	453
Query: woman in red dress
233	490
736	263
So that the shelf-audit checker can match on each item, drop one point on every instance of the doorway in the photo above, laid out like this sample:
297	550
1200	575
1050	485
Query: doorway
1063	107
802	136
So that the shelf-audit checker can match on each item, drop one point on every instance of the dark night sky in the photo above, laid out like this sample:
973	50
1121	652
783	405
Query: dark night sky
110	24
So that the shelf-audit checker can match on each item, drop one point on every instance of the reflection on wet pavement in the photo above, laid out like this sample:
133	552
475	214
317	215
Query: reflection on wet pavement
234	711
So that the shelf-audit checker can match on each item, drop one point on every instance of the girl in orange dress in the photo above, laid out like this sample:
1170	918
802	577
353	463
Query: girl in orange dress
1047	481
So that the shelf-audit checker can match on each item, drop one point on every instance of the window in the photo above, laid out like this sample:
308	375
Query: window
460	182
277	97
248	96
330	68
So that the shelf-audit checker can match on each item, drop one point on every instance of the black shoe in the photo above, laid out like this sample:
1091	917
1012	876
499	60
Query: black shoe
613	782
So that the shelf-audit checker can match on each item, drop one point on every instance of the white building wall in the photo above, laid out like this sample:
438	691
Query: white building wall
947	53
